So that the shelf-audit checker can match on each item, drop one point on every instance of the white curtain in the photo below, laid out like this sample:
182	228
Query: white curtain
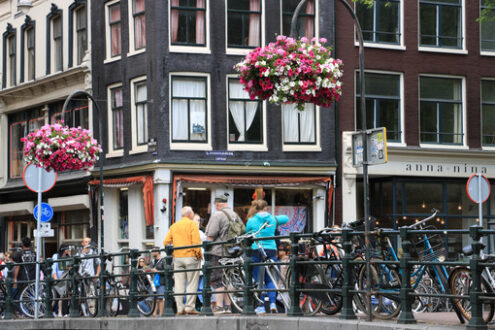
254	24
290	118
295	121
237	109
457	113
141	113
307	118
188	88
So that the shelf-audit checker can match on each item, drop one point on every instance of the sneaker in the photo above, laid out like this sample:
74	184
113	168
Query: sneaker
260	310
227	309
273	308
218	310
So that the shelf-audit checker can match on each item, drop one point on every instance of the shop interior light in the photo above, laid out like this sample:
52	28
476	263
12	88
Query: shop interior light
423	205
124	189
404	218
197	188
459	207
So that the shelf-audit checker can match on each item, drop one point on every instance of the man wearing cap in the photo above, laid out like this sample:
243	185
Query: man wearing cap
216	230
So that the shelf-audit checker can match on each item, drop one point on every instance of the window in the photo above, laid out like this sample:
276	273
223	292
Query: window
305	24
441	118
245	115
488	111
117	118
380	23
73	225
57	43
81	33
138	25
243	23
383	105
76	108
440	23
30	55
189	107
488	28
139	100
124	213
299	127
188	22
114	41
11	60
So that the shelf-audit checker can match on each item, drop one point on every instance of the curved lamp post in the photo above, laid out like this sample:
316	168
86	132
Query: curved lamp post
363	127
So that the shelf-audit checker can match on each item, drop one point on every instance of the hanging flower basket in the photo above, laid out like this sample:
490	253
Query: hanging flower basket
60	148
292	71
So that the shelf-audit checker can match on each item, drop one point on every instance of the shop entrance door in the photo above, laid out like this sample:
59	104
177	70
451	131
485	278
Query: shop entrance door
199	199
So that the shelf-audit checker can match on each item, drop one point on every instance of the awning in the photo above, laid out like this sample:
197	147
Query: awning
12	209
69	203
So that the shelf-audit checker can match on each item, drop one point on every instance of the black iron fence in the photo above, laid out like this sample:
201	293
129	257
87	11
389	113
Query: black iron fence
326	273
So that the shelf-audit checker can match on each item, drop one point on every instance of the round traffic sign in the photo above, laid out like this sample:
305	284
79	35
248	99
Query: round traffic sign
31	174
478	188
46	212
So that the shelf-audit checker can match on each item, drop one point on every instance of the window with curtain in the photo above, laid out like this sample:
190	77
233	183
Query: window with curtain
30	55
138	13
115	29
441	110
243	23
141	108
189	99
380	22
383	104
299	127
57	43
36	120
81	33
116	98
305	24
440	23
488	112
245	115
487	28
11	44
17	130
188	22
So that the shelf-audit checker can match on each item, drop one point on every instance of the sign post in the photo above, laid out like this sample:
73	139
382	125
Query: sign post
478	189
38	180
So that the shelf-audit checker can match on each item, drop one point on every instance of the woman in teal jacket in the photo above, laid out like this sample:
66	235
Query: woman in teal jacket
260	216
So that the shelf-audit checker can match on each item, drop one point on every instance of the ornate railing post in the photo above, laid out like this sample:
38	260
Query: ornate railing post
48	289
74	295
8	300
169	288
206	293
133	311
406	315
476	320
248	307
347	285
102	311
295	286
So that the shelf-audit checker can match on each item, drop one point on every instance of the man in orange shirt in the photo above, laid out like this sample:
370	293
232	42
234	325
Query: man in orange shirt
185	232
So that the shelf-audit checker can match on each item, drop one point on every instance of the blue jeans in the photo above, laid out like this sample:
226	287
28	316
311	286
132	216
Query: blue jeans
268	284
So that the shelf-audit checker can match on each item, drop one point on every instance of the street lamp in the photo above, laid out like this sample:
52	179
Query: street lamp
24	6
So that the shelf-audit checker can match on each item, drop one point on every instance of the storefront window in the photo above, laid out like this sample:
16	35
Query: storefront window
243	198
124	213
421	197
199	198
297	204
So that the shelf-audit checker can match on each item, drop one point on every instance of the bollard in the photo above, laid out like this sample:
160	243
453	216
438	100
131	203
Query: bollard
168	309
74	295
8	300
48	289
406	315
206	309
248	308
476	320
295	286
347	311
133	311
102	311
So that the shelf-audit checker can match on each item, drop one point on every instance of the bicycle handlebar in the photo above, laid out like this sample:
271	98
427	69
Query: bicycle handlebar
435	211
238	239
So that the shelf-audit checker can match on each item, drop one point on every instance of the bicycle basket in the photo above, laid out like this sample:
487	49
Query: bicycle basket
428	247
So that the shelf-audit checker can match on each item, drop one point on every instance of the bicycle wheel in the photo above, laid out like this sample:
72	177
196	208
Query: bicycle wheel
146	304
385	282
460	282
334	279
311	277
27	300
112	302
89	298
283	298
233	279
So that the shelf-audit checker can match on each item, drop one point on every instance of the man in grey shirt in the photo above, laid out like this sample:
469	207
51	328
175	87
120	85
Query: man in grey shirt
216	230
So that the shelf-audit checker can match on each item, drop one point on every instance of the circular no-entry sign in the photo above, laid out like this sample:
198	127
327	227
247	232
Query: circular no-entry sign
30	175
478	188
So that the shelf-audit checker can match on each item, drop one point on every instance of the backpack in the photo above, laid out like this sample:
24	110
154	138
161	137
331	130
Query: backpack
236	228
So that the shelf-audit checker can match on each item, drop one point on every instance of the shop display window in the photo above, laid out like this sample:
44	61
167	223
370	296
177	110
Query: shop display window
124	213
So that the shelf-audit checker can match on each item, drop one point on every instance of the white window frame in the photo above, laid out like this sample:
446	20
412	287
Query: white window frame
317	16
484	147
484	52
357	107
244	51
132	47
26	54
184	145
108	34
462	51
135	147
303	147
400	46
111	151
464	145
53	67
190	49
260	147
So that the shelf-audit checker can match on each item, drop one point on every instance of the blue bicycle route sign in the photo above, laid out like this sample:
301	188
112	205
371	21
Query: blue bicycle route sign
46	212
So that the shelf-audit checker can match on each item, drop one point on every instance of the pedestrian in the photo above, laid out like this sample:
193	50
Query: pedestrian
60	272
260	216
216	231
158	265
284	256
89	267
182	233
